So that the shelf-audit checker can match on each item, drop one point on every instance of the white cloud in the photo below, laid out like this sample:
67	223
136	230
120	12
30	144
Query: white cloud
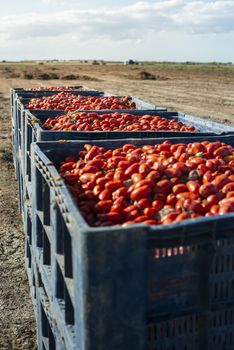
137	29
56	2
133	21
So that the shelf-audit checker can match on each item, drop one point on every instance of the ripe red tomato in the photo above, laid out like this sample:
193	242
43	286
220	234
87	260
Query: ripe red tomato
226	208
150	212
193	186
163	186
144	203
207	189
220	181
140	192
183	216
223	151
196	148
229	187
171	199
193	205
136	177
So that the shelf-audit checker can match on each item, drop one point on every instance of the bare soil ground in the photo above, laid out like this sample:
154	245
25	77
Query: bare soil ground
205	91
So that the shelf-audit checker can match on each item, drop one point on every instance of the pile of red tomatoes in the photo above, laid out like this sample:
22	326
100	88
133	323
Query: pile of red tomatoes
83	121
153	184
70	102
54	88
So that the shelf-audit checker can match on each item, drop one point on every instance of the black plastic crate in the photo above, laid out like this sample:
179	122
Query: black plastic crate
18	125
20	90
19	106
149	287
19	117
25	97
23	93
16	94
33	132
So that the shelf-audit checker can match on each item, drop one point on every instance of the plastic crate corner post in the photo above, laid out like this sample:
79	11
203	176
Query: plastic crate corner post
36	199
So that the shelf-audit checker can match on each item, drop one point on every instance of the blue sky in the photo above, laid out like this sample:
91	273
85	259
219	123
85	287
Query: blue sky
173	30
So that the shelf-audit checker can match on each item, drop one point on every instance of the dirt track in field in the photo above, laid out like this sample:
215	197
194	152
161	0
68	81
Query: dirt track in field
206	92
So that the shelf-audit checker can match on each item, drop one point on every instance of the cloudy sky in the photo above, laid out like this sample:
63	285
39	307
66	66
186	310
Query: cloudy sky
173	30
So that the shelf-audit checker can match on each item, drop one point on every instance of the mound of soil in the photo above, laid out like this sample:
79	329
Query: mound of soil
144	75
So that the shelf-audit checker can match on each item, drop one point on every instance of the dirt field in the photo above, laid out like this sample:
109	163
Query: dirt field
205	91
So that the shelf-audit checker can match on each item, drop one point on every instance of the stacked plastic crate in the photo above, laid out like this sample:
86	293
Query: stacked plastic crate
106	287
22	136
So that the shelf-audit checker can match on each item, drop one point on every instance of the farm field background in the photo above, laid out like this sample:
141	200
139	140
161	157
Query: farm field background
203	90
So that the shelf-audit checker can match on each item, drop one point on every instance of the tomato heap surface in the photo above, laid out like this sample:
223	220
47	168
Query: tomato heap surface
154	184
70	102
83	121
